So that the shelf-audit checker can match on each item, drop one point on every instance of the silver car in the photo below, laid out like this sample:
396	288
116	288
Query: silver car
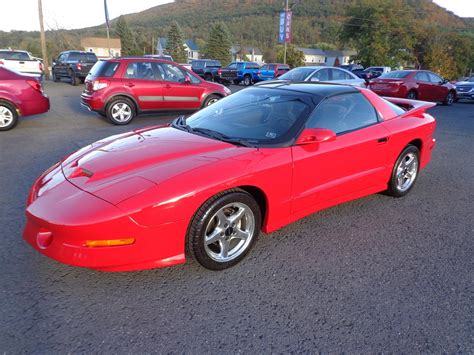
323	74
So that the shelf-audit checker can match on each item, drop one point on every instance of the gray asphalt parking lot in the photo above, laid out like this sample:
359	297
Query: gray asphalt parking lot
376	274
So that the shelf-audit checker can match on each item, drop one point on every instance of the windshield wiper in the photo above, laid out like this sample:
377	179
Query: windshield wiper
222	137
180	123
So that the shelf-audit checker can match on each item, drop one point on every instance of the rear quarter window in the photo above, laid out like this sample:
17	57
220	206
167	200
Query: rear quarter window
104	69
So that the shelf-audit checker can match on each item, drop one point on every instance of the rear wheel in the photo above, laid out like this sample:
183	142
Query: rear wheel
120	111
450	98
74	79
55	78
405	172
224	229
247	80
412	95
8	116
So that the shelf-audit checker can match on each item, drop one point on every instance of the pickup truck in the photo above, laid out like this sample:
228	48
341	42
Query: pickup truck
211	70
74	65
247	72
21	61
272	71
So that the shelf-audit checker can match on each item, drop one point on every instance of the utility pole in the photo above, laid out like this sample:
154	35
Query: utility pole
43	40
286	11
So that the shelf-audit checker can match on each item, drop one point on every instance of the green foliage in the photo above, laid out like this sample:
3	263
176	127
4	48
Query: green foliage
129	46
175	43
219	43
294	57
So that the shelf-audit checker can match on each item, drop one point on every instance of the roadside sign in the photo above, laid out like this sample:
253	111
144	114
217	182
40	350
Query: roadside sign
284	34
281	34
288	27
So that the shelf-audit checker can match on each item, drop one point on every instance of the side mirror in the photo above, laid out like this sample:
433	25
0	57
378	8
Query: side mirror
315	135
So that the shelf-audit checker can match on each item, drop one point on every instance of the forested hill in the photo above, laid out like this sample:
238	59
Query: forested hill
251	22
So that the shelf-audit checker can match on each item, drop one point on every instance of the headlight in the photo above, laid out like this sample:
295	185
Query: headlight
227	90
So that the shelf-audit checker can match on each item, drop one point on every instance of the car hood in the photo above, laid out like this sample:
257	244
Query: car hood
122	166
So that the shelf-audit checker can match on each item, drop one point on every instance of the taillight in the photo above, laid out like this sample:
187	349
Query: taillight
79	66
396	82
35	85
1	62
259	72
219	71
41	66
99	85
275	73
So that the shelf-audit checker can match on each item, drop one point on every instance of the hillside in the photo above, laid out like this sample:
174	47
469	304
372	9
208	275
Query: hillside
252	22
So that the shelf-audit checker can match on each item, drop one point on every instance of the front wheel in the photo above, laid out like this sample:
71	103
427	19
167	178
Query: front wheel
405	172
450	98
224	229
412	95
247	80
211	99
8	116
120	111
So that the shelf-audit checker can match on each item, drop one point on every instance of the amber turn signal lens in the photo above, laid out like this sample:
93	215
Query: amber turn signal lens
109	242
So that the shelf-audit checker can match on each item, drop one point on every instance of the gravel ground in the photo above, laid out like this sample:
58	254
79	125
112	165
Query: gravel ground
374	275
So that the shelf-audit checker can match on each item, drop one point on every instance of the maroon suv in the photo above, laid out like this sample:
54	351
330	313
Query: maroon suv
122	88
416	85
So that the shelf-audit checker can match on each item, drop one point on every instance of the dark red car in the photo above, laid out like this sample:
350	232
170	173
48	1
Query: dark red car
415	85
122	88
20	95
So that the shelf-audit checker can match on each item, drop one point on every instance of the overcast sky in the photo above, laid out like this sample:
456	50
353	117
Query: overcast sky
68	14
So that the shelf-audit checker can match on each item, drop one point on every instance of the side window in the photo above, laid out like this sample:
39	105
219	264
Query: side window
422	76
343	113
270	67
232	66
339	75
172	73
321	75
140	70
434	78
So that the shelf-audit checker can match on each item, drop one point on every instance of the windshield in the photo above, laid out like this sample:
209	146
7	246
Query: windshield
297	74
255	117
471	79
395	74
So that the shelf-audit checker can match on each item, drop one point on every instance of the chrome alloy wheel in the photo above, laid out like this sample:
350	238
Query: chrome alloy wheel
6	116
450	99
407	170
212	101
121	112
229	232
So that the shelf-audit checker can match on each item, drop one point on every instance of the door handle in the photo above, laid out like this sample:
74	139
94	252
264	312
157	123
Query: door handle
131	85
382	140
167	86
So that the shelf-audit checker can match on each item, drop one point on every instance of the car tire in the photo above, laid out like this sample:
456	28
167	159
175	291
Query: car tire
224	229
412	95
55	78
211	99
8	116
405	172
120	111
247	80
450	99
74	79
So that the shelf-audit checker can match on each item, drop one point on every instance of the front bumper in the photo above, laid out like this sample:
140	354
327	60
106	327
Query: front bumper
465	95
72	217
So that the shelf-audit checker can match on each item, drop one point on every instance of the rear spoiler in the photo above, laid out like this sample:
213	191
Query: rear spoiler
413	107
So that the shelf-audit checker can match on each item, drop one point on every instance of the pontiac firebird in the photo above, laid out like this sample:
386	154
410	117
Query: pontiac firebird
207	185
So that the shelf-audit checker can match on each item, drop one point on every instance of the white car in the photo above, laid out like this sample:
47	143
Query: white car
323	74
21	61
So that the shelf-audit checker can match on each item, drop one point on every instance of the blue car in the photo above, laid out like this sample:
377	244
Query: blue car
247	72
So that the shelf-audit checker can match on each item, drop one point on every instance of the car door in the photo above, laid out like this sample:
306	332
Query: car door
438	90
342	77
424	86
320	75
267	71
59	68
356	161
141	80
180	93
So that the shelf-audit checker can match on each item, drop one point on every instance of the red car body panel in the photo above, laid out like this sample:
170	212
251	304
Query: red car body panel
400	87
15	89
149	95
121	188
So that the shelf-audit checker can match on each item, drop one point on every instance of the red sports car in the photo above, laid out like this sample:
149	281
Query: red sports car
122	88
415	85
205	186
20	95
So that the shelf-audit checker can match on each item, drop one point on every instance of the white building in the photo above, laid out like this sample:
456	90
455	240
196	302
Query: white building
253	54
100	46
191	48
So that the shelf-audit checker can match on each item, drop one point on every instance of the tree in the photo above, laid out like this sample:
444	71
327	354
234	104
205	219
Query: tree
175	45
127	38
294	57
219	43
378	32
